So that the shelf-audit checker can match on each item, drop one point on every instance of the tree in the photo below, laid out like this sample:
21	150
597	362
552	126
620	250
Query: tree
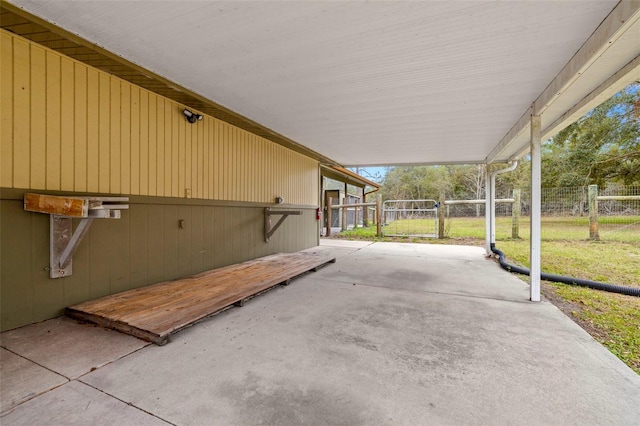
413	183
601	147
469	180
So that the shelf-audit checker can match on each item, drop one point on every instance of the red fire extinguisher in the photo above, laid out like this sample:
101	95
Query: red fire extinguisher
318	213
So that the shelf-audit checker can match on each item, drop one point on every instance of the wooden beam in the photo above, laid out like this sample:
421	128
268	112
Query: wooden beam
61	206
341	206
625	76
63	240
268	230
521	125
621	18
604	91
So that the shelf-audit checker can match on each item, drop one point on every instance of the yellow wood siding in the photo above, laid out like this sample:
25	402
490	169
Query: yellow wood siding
69	127
6	110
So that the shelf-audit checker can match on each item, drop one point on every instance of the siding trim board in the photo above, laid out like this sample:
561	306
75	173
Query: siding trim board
15	194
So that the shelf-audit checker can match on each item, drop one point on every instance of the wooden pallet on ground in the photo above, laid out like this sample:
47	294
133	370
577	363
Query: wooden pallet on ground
154	312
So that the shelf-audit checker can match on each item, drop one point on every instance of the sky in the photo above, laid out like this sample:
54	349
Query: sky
375	174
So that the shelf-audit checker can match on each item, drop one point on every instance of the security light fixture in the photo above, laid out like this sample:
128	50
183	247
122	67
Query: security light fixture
191	117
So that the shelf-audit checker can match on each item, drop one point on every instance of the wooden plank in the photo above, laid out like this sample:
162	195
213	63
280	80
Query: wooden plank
51	204
149	301
115	325
193	305
154	312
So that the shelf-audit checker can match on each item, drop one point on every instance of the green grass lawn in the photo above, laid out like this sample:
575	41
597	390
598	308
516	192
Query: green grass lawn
612	319
619	228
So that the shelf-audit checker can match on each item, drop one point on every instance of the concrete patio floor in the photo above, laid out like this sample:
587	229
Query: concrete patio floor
390	334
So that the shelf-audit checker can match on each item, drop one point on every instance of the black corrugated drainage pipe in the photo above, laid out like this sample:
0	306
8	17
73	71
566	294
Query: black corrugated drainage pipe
629	291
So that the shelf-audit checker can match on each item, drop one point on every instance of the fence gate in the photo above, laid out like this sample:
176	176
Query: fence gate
410	218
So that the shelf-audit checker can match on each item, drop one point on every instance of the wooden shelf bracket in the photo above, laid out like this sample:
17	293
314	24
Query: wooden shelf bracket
63	240
268	230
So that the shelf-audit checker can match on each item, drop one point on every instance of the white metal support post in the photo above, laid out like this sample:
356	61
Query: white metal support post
487	212
536	202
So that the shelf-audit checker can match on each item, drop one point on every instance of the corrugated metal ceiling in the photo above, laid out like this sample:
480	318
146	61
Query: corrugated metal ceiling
363	83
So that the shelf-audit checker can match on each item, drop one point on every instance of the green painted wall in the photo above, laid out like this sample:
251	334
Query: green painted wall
145	246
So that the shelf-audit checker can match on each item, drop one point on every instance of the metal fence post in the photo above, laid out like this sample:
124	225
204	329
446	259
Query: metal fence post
515	214
593	212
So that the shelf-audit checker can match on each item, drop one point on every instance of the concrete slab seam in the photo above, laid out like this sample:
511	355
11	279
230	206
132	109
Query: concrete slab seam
114	360
36	363
4	413
125	402
354	251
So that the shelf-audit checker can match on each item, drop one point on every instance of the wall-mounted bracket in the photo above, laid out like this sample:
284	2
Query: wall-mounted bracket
268	230
63	240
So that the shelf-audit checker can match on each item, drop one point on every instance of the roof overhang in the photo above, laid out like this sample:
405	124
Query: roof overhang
606	63
34	28
361	83
347	176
